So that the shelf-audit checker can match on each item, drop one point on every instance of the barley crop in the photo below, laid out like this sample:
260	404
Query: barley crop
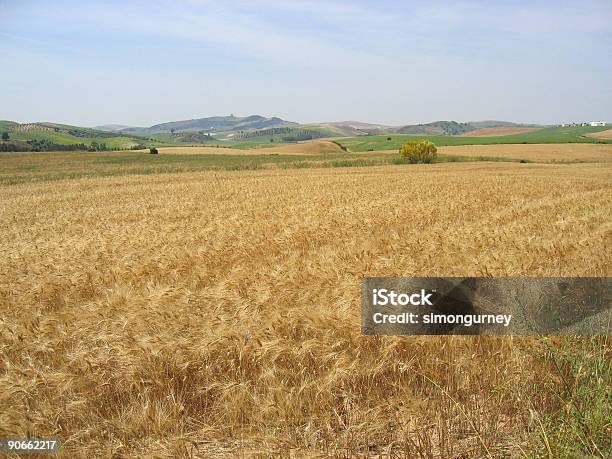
216	314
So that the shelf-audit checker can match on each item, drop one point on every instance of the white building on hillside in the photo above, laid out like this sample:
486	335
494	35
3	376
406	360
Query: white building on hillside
597	123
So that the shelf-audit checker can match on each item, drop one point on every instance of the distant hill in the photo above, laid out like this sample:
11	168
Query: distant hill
351	128
210	125
556	134
436	128
455	128
7	125
44	136
228	126
111	127
245	132
498	124
356	128
242	132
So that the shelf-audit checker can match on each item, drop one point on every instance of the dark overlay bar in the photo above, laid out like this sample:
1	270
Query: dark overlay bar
486	306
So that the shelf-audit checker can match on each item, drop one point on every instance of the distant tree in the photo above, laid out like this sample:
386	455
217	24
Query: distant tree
97	146
418	152
5	136
272	140
388	138
153	151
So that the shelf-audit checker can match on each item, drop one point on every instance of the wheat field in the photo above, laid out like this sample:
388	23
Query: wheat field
498	131
553	153
607	134
311	147
216	314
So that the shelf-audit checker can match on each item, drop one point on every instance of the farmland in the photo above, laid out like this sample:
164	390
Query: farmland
499	131
183	308
607	134
62	134
539	136
549	153
58	137
37	167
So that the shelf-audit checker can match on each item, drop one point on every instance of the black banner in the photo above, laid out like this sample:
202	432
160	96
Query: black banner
486	306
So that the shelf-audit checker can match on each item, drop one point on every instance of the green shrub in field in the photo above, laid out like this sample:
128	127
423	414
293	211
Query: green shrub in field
95	146
418	152
153	151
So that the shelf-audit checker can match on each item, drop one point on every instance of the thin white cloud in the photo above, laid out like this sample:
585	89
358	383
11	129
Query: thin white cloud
392	62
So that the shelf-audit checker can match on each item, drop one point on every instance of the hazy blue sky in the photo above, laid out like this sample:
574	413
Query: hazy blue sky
395	62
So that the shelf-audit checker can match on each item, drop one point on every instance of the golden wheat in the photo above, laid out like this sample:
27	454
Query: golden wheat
311	147
561	152
217	313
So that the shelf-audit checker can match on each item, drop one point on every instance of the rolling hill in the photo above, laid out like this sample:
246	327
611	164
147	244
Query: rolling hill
244	132
499	124
255	130
572	134
53	136
356	128
351	128
436	128
224	126
209	125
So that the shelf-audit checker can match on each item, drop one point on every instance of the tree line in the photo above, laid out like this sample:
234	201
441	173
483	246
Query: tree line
47	145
